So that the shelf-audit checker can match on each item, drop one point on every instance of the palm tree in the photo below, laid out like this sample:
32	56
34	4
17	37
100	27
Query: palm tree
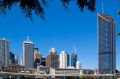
37	6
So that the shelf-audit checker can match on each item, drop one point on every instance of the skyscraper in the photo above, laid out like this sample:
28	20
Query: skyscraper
37	54
43	61
63	60
12	59
16	58
78	65
106	44
28	54
4	52
73	59
52	60
68	60
37	57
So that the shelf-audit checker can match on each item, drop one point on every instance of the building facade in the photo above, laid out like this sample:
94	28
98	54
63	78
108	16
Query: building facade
52	60
43	61
73	59
37	54
78	65
12	59
63	59
4	52
68	60
106	44
37	57
28	54
16	59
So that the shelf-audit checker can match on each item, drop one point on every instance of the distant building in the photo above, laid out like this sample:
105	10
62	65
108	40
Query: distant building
4	52
64	60
37	54
78	65
28	54
43	62
12	59
68	60
37	57
106	44
36	63
73	59
52	60
16	59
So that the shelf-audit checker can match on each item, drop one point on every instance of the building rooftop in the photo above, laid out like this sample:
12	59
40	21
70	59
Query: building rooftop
28	41
109	18
52	50
4	39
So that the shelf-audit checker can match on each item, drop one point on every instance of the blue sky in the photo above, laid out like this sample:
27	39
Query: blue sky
61	30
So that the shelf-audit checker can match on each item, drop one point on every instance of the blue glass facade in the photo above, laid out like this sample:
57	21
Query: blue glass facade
12	58
73	59
106	44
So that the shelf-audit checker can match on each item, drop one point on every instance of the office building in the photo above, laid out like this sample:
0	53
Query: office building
37	57
52	60
73	59
16	59
78	65
37	54
4	52
28	54
106	44
12	59
43	61
68	60
64	60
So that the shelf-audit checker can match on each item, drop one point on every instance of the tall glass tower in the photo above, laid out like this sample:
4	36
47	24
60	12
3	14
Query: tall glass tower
4	52
73	59
106	44
28	54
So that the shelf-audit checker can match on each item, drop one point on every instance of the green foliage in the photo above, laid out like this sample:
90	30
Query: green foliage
119	12
29	7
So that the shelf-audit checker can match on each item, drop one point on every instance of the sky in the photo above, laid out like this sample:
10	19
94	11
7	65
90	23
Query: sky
61	30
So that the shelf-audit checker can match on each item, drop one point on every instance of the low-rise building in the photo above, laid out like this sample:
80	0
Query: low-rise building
42	70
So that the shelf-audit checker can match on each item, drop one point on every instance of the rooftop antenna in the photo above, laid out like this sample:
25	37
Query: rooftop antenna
102	8
75	50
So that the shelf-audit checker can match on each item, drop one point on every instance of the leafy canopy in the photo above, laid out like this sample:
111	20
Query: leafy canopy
37	6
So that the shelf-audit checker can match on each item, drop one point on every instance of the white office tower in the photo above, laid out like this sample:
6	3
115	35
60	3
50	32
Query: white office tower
28	54
16	58
63	60
4	52
78	65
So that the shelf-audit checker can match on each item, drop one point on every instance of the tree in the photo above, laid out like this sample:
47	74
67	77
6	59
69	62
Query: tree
37	6
119	12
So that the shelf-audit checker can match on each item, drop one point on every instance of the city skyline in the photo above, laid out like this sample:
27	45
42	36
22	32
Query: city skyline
82	32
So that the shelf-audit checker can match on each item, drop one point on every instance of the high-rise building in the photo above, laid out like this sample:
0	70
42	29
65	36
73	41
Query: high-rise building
68	60
63	59
106	44
4	52
52	60
28	54
37	54
12	59
43	61
37	57
73	59
16	58
78	65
